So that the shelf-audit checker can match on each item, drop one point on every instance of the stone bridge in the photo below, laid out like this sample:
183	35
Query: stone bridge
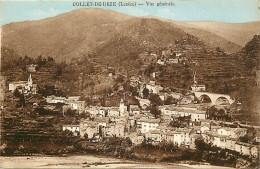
214	97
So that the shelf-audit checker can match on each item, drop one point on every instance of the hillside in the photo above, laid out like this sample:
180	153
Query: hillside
239	34
65	36
140	35
74	34
212	39
251	53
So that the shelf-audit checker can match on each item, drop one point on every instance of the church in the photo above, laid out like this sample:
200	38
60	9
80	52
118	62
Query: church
26	87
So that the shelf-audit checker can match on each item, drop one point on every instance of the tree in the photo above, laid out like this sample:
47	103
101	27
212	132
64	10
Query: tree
41	61
154	110
212	112
149	70
59	71
134	92
119	79
20	96
43	111
39	58
250	63
22	100
48	90
244	139
201	146
70	112
84	115
181	121
86	135
16	93
50	59
221	114
218	49
155	99
170	100
145	93
175	123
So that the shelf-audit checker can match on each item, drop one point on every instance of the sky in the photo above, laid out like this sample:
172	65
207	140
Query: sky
229	11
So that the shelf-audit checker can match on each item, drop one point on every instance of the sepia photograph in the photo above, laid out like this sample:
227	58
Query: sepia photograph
130	84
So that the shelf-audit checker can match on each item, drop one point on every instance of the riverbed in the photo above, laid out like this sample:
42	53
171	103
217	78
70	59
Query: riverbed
86	161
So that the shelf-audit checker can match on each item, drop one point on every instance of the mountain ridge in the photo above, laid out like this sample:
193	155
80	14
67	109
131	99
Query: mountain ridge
74	34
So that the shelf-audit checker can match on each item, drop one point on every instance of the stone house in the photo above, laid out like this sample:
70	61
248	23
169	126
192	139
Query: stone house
232	132
115	130
144	125
88	128
134	110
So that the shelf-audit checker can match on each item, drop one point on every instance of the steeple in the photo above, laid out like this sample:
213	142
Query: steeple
30	81
194	77
121	107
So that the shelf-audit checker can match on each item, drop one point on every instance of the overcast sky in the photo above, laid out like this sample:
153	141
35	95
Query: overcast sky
230	11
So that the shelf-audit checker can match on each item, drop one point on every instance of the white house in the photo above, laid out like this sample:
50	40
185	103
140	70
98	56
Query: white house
196	115
154	88
72	128
198	88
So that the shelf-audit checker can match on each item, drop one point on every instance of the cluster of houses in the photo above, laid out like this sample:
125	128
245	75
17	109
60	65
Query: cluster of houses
103	122
170	57
71	102
227	138
139	125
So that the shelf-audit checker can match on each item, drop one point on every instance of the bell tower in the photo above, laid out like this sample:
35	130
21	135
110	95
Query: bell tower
194	77
122	108
30	81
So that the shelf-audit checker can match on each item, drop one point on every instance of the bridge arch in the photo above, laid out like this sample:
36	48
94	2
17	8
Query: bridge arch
205	98
214	97
224	99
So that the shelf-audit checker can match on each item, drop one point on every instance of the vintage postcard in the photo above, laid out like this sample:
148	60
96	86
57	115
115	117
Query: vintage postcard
130	84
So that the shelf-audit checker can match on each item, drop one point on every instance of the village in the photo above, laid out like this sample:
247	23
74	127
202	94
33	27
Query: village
177	106
158	115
